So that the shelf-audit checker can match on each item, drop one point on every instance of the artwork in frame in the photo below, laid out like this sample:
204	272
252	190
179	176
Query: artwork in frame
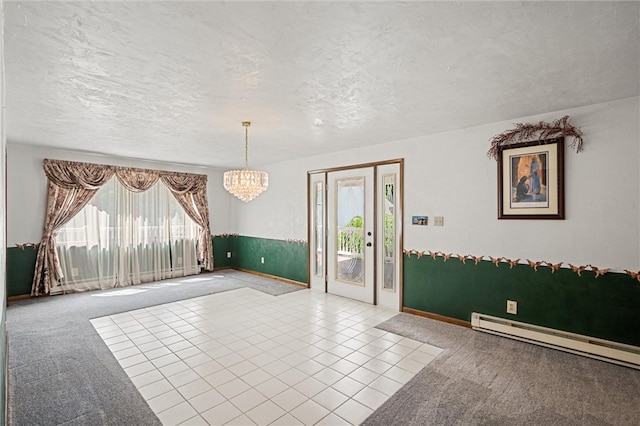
419	220
531	180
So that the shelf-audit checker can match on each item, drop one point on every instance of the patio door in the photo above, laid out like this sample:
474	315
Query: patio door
350	234
355	232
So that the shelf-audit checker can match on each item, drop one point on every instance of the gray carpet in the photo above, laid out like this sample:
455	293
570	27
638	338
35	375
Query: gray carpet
62	373
60	370
481	379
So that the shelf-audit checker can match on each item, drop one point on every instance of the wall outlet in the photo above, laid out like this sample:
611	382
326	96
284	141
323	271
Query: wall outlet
74	272
438	221
512	307
228	255
262	260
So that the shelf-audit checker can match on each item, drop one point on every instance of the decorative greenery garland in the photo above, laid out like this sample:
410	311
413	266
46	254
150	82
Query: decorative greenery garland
539	131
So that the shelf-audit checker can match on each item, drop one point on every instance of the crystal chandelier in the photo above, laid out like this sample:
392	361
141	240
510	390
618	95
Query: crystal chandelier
246	184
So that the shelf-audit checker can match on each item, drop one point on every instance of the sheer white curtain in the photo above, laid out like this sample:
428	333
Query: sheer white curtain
122	238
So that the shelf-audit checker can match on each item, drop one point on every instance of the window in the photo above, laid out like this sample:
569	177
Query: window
122	238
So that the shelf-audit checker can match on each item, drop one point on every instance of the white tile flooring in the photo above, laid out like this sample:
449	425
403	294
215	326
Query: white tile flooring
243	357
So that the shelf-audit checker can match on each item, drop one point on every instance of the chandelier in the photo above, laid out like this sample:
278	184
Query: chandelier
246	184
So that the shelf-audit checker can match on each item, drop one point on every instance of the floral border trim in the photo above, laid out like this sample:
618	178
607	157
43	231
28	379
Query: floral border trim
293	241
512	262
25	245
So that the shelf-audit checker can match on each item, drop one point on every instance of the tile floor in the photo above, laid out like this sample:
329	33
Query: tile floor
243	357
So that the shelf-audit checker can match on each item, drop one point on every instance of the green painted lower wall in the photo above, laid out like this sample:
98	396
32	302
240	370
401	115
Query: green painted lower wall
605	307
20	266
282	259
221	246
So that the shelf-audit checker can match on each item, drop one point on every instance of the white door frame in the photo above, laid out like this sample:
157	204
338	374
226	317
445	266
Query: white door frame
318	279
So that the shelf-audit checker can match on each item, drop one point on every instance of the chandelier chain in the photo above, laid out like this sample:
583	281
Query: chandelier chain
246	125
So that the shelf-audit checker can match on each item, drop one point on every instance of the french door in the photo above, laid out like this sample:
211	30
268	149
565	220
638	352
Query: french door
350	234
355	226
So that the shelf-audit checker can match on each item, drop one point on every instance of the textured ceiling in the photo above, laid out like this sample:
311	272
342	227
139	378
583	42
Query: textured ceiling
171	81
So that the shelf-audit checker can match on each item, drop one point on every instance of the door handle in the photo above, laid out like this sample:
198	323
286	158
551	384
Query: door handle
368	244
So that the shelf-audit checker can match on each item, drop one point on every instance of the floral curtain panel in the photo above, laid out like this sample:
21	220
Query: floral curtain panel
191	193
72	184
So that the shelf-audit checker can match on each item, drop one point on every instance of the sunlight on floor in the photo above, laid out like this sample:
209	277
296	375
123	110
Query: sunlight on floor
125	292
244	357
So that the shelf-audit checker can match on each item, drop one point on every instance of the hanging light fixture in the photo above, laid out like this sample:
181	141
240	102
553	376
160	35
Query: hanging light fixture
246	184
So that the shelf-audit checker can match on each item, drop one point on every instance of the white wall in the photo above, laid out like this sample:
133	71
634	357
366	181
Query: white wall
447	174
450	175
27	189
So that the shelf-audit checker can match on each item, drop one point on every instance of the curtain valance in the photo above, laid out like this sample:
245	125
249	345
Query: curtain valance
71	174
71	185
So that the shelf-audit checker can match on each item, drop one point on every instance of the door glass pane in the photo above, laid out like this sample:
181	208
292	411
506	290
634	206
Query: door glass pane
350	230
317	231
389	188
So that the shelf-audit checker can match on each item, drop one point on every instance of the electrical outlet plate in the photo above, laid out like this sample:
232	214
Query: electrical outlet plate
262	260
512	307
438	221
228	255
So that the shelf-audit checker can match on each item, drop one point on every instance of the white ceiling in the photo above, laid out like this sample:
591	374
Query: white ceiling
171	81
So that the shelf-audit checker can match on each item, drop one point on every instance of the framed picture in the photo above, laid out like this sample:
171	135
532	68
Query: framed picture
419	220
531	180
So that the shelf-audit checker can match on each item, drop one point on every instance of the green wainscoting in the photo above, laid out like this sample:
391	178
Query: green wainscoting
20	266
282	259
606	307
222	246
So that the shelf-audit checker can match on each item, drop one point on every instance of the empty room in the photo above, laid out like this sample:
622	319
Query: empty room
320	213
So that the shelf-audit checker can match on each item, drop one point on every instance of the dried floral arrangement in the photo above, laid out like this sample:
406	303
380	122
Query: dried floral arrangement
525	132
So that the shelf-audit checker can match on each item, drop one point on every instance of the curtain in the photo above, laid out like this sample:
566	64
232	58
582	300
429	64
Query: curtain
137	180
123	238
70	187
191	192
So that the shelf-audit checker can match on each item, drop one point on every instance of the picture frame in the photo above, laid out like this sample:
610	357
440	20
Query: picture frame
420	220
531	180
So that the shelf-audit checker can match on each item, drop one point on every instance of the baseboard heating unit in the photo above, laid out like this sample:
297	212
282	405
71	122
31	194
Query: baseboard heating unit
604	350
